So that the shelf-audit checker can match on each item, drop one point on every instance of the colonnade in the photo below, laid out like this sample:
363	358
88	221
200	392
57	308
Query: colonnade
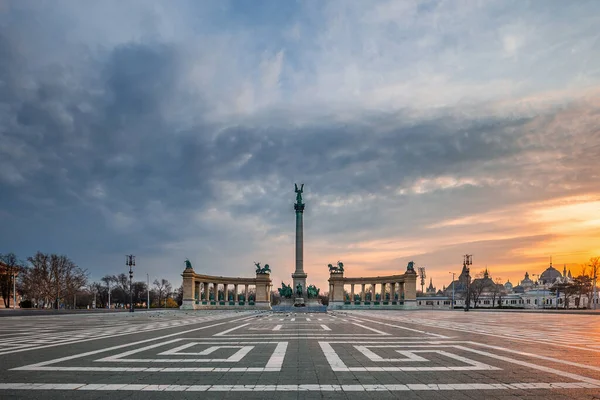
394	291
389	292
202	291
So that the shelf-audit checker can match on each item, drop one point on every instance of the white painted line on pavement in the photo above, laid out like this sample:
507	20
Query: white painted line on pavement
301	388
399	327
134	331
372	329
230	330
89	353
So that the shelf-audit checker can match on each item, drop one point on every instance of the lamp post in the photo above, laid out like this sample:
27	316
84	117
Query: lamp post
108	284
14	290
130	261
594	279
467	261
148	287
537	295
452	289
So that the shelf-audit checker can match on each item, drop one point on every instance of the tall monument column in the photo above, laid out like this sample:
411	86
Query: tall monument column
299	276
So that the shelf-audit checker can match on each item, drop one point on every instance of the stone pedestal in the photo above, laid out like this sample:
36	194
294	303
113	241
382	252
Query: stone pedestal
299	302
188	305
188	302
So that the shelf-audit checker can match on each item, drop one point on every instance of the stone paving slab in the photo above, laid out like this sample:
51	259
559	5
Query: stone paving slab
350	354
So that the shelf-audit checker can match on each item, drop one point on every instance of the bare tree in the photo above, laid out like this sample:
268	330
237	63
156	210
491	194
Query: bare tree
179	297
139	292
10	265
52	278
163	288
594	266
496	291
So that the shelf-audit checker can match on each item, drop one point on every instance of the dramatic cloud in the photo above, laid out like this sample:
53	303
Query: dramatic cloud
422	131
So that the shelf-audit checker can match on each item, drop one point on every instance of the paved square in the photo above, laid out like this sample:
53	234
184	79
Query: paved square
356	354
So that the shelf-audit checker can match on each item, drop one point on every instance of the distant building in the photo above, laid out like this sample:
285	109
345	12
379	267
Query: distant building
526	294
430	289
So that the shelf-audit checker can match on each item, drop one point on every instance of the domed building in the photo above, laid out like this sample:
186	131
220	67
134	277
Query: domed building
550	275
508	286
526	283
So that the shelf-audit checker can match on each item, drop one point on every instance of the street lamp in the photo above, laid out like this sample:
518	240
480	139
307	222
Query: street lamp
594	279
467	261
452	289
130	261
537	295
14	290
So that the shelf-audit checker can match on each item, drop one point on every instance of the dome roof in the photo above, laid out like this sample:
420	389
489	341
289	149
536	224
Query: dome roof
550	275
508	285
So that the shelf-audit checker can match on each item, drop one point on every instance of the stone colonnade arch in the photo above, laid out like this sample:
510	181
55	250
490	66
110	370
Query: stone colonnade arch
202	291
402	292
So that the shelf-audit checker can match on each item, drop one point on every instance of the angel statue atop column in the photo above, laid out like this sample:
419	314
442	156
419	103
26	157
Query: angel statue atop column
298	193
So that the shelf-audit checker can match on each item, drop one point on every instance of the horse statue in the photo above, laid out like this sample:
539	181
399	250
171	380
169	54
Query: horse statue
338	268
410	267
188	264
299	290
265	270
285	291
312	291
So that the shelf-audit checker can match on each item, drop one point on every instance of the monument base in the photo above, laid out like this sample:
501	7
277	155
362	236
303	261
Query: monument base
289	306
187	305
299	302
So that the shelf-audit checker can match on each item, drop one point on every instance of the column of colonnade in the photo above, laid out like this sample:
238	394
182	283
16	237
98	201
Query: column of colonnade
204	294
395	289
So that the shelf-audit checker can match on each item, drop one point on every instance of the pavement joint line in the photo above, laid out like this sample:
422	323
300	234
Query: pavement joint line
108	336
480	332
119	346
409	387
523	353
533	366
399	327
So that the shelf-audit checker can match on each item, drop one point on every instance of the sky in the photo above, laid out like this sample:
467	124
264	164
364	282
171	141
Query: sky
422	130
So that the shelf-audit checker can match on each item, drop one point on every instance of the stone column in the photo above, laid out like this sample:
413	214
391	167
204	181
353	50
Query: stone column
235	295
383	292
246	295
216	292
373	292
226	293
299	276
197	291
362	293
352	293
393	291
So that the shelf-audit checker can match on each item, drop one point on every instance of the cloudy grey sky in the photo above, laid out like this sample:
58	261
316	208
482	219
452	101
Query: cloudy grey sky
422	130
